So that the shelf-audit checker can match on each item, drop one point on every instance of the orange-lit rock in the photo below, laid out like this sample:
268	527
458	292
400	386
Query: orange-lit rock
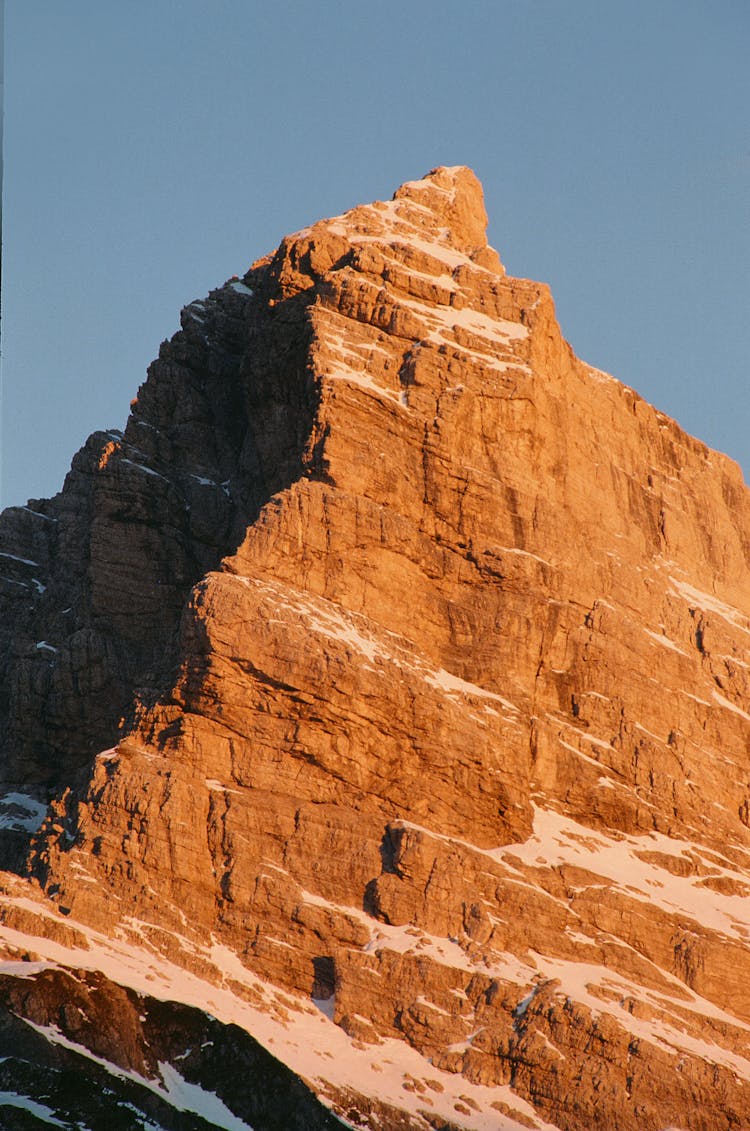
459	726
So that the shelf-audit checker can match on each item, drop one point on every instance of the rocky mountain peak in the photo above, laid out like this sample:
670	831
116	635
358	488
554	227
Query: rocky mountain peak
387	679
456	199
438	223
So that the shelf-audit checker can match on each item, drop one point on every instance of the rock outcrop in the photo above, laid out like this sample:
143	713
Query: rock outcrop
79	1048
419	650
93	582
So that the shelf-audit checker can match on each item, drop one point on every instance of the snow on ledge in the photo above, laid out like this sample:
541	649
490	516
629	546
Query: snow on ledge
299	1034
21	812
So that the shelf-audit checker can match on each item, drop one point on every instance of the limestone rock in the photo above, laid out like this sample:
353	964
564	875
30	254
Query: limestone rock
419	650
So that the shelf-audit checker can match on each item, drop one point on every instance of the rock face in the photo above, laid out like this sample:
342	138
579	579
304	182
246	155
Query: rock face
420	652
93	582
79	1048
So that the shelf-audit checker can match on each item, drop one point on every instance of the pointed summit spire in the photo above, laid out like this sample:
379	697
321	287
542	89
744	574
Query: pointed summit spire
455	193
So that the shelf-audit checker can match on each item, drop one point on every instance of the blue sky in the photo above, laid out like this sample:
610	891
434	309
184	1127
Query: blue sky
154	148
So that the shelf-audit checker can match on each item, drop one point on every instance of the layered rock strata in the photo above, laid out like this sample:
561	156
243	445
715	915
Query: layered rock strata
93	582
457	737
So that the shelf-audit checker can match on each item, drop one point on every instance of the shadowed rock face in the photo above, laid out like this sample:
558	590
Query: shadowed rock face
94	581
439	713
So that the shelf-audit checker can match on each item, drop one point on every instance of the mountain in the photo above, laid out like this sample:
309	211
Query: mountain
383	691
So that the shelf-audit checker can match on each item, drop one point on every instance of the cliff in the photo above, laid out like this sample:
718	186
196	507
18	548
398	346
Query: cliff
389	675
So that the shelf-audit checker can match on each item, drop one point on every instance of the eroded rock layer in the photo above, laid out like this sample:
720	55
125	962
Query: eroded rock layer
457	740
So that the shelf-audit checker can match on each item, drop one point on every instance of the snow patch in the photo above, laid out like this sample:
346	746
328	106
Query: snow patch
729	706
38	514
41	1111
559	840
292	1029
453	685
191	1097
15	558
142	467
709	603
174	1088
665	642
378	648
326	1005
22	813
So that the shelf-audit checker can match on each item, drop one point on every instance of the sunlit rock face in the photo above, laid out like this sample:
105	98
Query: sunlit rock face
438	762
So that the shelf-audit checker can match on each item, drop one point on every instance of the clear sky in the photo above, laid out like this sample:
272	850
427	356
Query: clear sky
154	148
